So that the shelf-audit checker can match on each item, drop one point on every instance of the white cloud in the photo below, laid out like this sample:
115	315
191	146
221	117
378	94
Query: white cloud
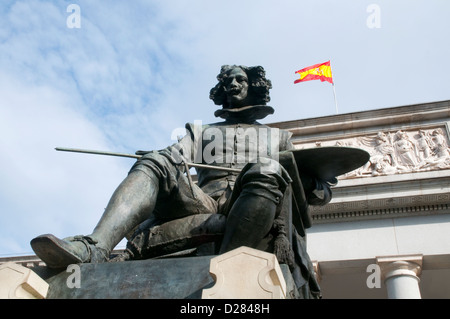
42	190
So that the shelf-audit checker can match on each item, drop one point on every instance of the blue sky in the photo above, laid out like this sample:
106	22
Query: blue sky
136	70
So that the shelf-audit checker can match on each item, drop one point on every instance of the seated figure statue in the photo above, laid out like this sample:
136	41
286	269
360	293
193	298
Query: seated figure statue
241	200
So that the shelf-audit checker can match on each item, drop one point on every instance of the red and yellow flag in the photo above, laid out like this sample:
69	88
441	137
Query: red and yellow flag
320	72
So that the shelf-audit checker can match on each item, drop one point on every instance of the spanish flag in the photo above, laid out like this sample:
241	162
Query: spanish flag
320	72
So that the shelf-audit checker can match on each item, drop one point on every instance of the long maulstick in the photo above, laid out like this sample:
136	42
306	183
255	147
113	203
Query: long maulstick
78	150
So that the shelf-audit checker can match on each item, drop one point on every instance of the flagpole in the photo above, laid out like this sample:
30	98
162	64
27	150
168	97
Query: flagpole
335	101
334	89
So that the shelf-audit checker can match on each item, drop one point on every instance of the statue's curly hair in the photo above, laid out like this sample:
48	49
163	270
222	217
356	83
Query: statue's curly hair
259	86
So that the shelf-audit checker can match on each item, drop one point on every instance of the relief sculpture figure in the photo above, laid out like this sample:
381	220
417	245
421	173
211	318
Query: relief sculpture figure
405	151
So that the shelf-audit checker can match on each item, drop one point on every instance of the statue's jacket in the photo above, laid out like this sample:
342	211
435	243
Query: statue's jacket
232	145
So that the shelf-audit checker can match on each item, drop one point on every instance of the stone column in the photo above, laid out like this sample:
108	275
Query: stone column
401	275
317	272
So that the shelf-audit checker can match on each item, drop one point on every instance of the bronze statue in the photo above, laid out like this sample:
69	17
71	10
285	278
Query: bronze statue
239	205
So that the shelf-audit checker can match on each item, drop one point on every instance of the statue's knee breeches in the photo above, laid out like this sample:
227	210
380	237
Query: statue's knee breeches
266	178
177	196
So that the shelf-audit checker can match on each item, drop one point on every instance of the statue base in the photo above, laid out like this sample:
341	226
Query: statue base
166	278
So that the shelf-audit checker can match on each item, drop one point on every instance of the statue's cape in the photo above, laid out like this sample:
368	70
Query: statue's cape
247	113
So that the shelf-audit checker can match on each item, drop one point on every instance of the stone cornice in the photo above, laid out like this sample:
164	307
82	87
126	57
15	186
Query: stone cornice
362	210
342	267
384	117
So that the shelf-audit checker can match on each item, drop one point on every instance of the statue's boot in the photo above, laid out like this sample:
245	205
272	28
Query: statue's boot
59	253
249	221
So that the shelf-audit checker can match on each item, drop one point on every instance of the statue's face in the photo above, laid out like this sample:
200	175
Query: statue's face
236	88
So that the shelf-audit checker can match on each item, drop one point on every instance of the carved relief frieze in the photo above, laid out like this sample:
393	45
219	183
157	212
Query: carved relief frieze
397	152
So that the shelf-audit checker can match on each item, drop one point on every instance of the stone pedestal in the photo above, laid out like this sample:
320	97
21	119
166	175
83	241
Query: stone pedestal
171	278
245	273
18	282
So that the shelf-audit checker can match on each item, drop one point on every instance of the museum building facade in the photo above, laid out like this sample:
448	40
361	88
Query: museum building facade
386	232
